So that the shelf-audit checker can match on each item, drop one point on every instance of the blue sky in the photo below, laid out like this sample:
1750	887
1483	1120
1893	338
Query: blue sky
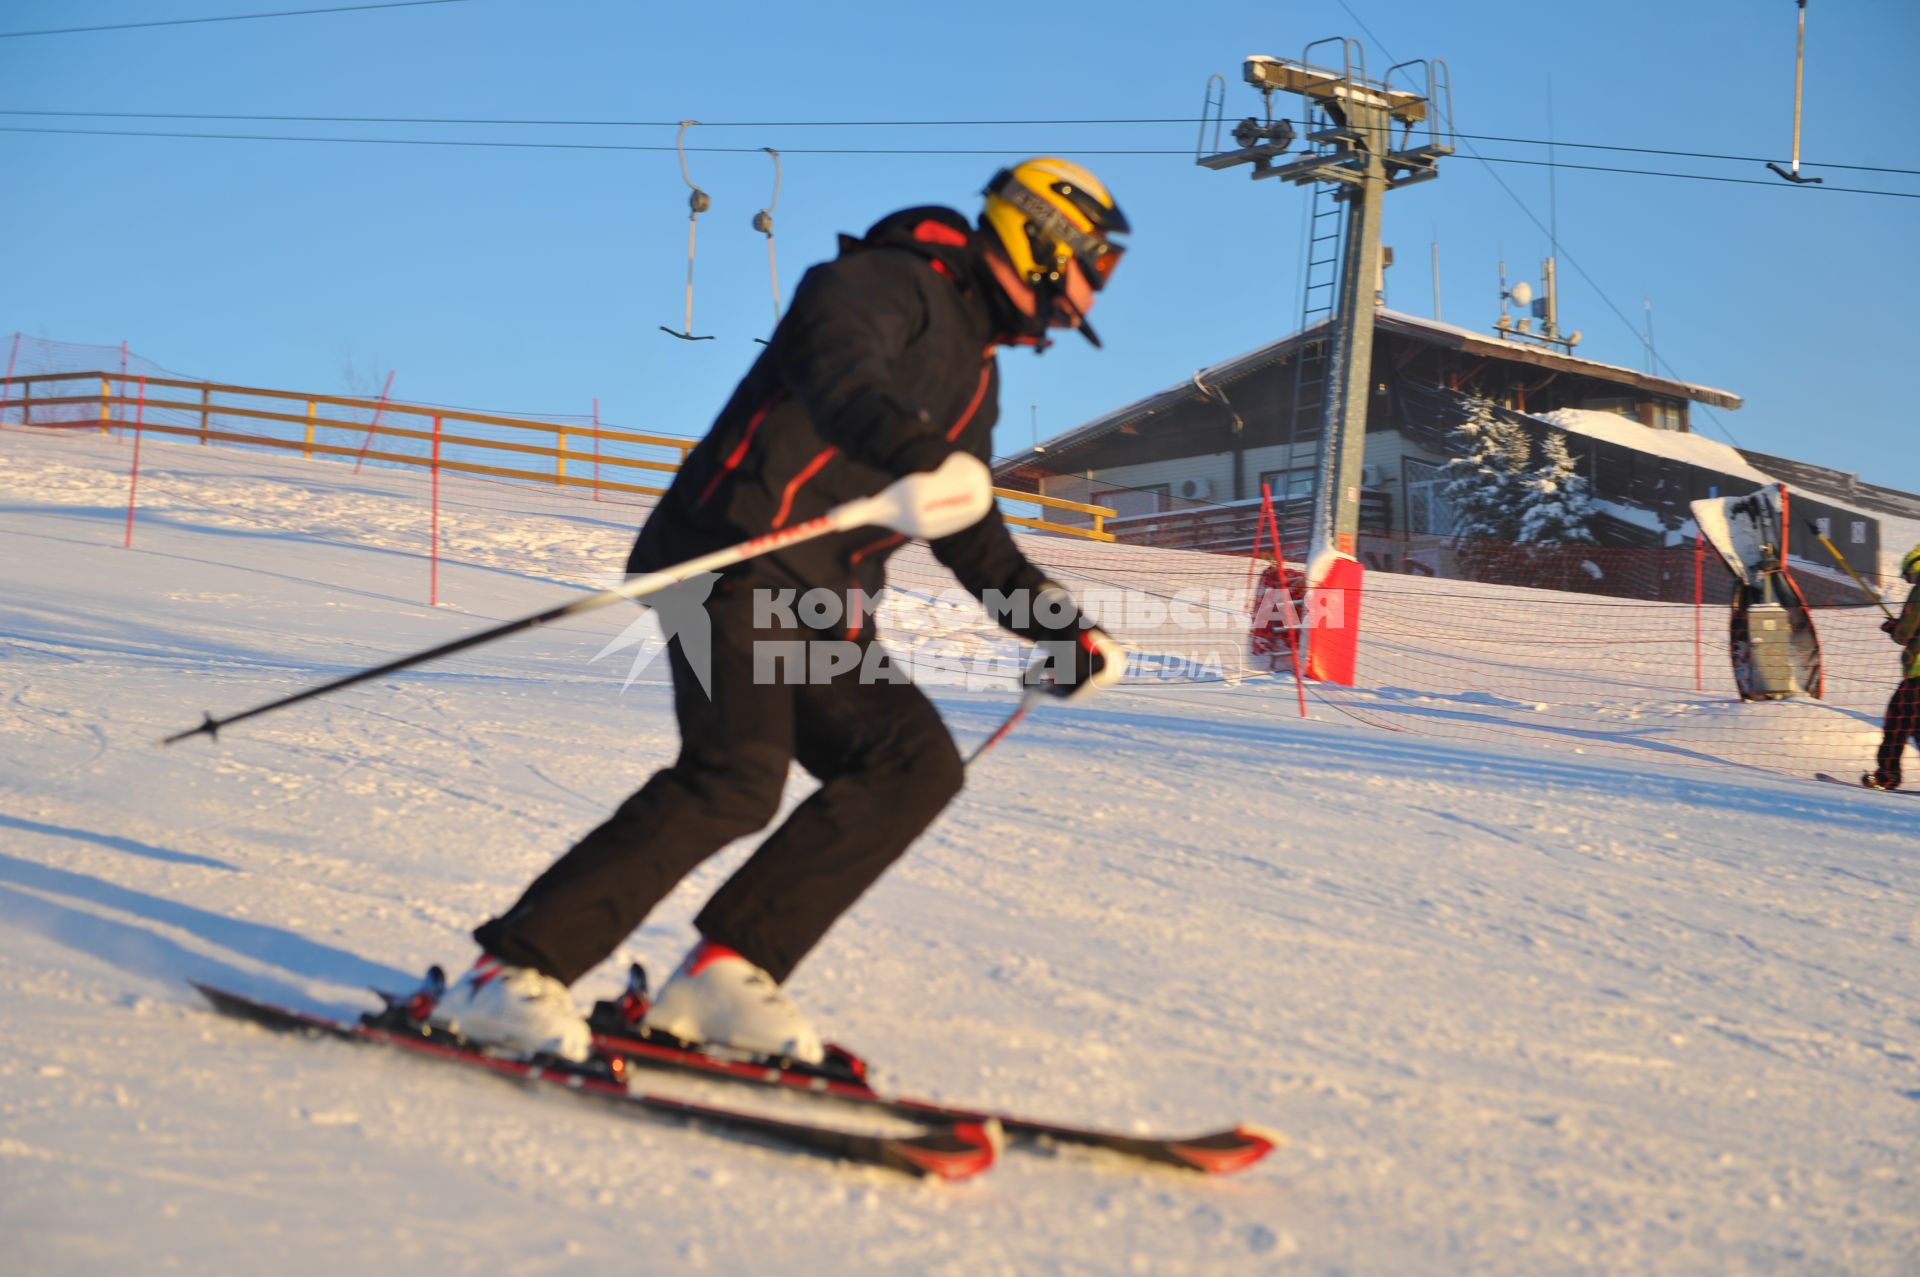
534	280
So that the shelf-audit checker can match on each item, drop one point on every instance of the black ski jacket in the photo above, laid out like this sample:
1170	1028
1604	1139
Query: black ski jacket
883	365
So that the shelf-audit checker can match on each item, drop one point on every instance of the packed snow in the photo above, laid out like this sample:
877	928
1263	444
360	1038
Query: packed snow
1518	1009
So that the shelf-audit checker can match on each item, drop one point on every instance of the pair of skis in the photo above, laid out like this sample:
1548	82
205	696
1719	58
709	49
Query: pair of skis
953	1143
951	1153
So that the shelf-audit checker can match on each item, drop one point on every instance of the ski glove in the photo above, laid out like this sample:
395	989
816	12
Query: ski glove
1077	666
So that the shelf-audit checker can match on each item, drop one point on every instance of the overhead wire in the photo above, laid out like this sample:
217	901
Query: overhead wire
922	151
536	122
628	147
230	17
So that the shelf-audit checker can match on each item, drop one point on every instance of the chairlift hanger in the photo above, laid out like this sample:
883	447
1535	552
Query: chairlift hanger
698	203
1799	73
763	222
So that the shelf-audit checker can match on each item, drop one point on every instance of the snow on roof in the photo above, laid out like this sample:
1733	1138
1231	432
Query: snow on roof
1692	389
1897	534
1695	450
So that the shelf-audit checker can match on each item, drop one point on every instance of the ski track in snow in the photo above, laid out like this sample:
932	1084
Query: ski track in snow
1519	1012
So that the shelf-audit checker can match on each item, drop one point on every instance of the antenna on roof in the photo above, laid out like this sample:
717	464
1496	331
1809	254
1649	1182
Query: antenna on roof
1545	308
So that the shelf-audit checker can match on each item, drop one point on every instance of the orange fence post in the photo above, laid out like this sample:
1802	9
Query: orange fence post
312	409
596	449
560	456
106	394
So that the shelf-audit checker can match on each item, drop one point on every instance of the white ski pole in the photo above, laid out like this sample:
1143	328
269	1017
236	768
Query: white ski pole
926	506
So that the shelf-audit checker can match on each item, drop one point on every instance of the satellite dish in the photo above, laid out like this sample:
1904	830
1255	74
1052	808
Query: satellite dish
1522	293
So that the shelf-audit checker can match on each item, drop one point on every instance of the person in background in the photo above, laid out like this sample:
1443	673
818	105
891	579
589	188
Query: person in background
1903	710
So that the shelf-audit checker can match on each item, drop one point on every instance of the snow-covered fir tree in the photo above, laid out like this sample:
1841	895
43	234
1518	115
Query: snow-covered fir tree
1486	486
1558	509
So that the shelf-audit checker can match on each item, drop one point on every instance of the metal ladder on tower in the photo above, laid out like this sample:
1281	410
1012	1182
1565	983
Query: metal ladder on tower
1313	363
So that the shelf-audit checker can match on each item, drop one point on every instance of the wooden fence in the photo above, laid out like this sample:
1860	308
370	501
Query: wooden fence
449	439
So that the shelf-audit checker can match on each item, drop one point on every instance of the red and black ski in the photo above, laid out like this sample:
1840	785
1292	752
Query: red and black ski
618	1034
949	1152
1835	780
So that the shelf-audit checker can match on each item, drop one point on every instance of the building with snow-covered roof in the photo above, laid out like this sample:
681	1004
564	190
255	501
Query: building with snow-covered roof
1186	466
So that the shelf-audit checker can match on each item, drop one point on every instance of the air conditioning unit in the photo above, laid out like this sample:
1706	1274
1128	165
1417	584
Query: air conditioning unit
1369	476
1193	489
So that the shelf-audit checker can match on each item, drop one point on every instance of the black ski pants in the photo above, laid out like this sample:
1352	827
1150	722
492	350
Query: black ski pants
886	763
1902	724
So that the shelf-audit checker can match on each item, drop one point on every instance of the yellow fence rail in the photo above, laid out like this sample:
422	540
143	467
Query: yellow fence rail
216	413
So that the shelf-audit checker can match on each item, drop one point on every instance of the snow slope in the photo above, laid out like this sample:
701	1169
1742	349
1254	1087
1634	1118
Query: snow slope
1521	1012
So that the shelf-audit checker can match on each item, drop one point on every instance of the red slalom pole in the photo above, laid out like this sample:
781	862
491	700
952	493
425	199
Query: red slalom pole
133	484
373	428
433	572
1289	613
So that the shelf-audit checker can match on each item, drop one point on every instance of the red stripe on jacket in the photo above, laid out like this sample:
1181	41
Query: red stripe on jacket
800	481
739	453
973	405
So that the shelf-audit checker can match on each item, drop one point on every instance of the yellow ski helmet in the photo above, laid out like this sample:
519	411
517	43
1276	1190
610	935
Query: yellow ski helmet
1046	212
1910	566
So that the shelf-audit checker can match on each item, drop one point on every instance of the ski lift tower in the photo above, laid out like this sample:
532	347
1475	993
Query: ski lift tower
1367	137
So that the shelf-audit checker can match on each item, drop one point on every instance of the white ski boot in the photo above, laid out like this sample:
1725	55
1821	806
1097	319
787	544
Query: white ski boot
719	998
515	1008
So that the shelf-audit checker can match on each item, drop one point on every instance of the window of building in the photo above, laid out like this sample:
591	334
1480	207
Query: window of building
1288	484
1623	406
1127	502
1427	508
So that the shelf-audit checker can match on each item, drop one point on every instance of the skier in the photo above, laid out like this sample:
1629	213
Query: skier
1903	711
883	366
